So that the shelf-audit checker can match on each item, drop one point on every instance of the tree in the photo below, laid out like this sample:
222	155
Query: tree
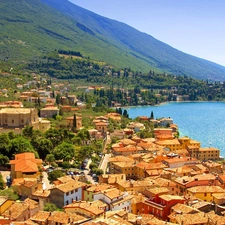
28	131
43	146
52	176
50	158
60	111
20	145
50	207
1	182
57	99
64	151
4	160
74	121
10	193
4	144
125	113
152	115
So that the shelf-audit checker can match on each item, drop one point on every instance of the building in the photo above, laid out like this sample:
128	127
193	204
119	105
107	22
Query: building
115	199
25	165
15	119
18	117
204	154
183	183
26	186
88	209
204	193
49	112
160	205
69	121
5	203
163	133
65	193
180	161
21	211
170	145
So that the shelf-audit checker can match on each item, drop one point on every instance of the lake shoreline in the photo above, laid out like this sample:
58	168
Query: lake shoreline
200	120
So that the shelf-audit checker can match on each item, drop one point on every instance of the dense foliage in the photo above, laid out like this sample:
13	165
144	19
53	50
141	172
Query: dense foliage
32	28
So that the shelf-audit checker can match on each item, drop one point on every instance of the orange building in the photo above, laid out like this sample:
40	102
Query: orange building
25	166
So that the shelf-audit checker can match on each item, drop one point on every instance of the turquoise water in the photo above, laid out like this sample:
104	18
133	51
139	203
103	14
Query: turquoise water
201	121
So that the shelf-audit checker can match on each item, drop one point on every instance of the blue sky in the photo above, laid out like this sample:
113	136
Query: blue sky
196	27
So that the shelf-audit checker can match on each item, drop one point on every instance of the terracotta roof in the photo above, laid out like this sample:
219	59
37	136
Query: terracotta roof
124	164
164	182
121	159
63	217
16	110
150	166
192	219
171	197
95	207
99	187
15	210
205	189
26	162
159	190
69	186
182	208
41	216
112	193
208	149
32	204
42	193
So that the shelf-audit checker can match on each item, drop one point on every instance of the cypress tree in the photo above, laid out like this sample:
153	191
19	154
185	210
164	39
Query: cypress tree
74	121
152	115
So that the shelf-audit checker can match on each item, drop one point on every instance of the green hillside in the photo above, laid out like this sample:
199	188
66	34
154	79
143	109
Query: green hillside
30	28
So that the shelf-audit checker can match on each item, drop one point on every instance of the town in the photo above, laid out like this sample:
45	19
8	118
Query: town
62	163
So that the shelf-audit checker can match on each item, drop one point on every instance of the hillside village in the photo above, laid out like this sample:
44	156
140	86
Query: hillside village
139	179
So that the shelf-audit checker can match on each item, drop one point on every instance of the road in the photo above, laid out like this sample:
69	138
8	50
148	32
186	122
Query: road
86	171
105	160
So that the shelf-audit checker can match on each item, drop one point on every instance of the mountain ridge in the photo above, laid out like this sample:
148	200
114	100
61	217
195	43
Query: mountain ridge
45	25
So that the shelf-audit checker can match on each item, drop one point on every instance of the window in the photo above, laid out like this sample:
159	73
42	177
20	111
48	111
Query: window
72	192
22	121
205	194
12	121
67	193
76	190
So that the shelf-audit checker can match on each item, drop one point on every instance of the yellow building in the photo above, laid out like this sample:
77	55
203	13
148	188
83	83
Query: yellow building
187	142
172	145
127	168
118	159
206	154
43	125
204	193
5	203
18	118
15	119
143	169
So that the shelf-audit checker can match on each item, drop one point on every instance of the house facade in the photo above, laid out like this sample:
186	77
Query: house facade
66	193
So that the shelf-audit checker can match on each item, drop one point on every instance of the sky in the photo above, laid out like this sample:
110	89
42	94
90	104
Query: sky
196	27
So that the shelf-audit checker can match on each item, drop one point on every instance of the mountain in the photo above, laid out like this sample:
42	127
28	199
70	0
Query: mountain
32	27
